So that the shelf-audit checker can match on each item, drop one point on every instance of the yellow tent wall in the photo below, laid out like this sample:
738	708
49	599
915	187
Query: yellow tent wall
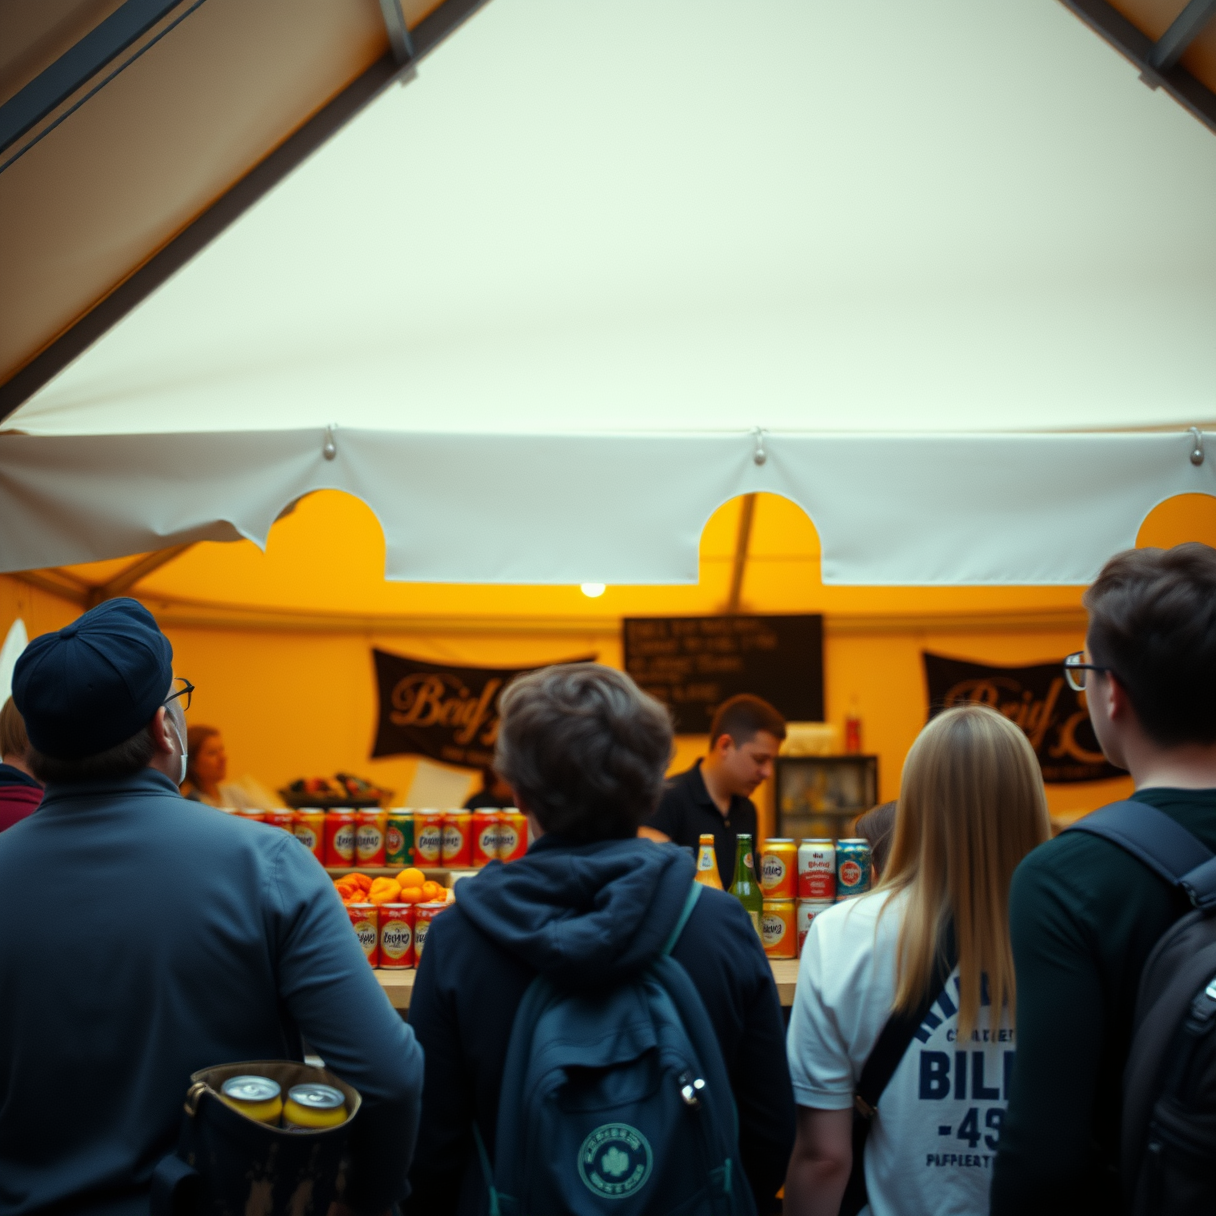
279	642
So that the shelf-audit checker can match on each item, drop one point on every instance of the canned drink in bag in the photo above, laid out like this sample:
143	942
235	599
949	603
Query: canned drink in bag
310	831
777	928
425	913
396	936
852	868
428	837
399	838
808	909
457	844
369	839
340	838
512	835
485	835
258	1098
366	925
817	869
778	866
312	1106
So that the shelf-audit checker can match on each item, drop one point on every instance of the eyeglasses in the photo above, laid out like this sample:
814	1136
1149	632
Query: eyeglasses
186	692
1075	668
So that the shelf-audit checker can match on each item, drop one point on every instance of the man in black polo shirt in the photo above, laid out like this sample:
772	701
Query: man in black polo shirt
715	794
1084	914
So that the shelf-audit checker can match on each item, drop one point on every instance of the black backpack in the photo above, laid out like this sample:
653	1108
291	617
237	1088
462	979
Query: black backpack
1168	1136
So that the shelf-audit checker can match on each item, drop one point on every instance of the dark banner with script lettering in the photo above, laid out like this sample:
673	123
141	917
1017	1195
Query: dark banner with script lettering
436	709
1038	699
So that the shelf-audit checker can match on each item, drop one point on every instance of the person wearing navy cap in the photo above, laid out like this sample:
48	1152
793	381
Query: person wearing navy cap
146	937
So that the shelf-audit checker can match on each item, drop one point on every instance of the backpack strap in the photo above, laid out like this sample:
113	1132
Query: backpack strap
1159	842
892	1045
690	902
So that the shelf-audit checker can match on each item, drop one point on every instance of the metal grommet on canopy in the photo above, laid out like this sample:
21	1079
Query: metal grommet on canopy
1197	451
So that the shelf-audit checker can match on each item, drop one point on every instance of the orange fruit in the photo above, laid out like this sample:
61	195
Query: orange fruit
412	877
412	895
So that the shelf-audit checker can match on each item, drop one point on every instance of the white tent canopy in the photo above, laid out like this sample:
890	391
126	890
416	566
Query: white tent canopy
547	293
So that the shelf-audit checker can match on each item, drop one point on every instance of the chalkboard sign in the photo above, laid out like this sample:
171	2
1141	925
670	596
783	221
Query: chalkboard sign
694	663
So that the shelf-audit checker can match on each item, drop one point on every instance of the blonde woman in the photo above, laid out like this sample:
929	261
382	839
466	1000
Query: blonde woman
971	807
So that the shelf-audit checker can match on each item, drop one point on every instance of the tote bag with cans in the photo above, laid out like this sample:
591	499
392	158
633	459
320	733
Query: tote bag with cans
228	1164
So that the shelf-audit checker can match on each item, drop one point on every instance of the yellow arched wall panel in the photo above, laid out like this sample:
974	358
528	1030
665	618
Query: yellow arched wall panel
293	703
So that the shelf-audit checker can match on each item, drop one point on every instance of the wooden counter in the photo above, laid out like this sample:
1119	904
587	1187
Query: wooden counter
399	984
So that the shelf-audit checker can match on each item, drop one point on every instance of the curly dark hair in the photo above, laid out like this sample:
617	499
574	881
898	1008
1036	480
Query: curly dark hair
584	749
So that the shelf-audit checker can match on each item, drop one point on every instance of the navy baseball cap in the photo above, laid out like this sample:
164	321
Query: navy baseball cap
94	683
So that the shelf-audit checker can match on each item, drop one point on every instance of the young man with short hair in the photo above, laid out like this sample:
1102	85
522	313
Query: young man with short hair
715	794
1085	914
589	908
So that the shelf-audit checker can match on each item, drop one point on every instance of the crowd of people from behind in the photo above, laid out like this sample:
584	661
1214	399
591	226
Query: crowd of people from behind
958	1036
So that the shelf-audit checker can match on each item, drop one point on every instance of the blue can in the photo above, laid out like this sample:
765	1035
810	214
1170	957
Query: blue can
853	868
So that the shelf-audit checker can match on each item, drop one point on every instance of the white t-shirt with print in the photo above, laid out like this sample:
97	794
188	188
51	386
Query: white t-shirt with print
933	1141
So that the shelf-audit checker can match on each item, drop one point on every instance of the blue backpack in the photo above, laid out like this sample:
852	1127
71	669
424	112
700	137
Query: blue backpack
617	1102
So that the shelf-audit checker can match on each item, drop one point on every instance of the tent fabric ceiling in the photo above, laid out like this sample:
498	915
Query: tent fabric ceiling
107	188
546	293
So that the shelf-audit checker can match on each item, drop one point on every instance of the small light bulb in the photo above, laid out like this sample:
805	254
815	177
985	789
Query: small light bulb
593	590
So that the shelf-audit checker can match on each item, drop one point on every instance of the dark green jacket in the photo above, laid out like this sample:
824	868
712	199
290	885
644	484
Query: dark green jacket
1084	917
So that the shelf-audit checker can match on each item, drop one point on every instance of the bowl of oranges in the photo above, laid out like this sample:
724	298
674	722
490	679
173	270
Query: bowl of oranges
410	886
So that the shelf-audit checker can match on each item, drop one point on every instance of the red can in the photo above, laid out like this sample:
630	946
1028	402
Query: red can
370	829
280	818
817	869
310	832
428	838
397	936
513	835
485	836
253	815
457	848
424	914
340	838
366	925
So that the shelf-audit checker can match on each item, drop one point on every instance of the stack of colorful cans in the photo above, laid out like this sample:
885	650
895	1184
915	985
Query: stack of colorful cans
829	873
392	935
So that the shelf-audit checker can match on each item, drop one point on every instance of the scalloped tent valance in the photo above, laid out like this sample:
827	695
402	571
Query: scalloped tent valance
548	292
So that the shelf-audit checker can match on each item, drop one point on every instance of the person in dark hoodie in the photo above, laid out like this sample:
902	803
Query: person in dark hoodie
585	751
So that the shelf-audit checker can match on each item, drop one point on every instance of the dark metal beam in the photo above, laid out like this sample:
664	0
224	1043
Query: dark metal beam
1136	46
76	66
1183	30
229	207
743	541
398	32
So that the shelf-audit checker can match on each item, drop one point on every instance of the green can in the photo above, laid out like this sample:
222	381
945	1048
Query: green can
399	838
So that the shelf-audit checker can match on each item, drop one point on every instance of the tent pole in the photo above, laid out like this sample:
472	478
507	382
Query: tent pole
743	540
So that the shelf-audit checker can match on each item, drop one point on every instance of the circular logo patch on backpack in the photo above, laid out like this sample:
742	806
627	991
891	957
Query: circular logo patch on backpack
615	1160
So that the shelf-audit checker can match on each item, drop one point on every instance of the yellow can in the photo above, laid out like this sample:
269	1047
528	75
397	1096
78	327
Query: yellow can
314	1105
778	868
778	930
257	1098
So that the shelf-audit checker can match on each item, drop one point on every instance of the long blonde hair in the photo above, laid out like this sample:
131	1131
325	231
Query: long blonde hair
971	806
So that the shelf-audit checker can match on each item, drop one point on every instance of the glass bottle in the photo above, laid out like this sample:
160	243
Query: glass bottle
707	862
745	888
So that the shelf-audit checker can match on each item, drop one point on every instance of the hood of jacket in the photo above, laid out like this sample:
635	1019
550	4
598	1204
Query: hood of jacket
585	915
